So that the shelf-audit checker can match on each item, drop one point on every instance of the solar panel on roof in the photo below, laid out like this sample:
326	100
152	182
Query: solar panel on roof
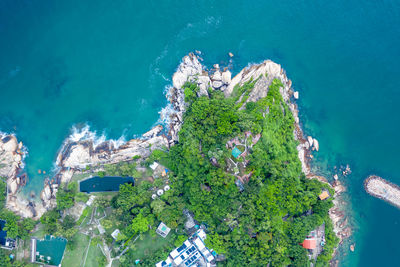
181	248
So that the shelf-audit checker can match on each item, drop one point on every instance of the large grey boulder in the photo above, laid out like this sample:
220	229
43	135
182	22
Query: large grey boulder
216	76
217	84
189	67
226	77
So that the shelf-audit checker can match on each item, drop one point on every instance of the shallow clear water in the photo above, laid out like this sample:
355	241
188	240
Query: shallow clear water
107	64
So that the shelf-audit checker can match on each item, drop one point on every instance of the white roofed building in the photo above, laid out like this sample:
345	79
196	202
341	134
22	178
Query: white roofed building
193	252
163	230
154	165
115	234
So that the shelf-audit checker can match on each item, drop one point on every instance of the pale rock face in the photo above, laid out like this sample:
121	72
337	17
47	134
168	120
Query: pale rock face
17	158
204	83
11	145
190	66
302	157
217	84
217	76
13	186
296	95
79	157
226	77
310	140
46	193
153	132
254	72
80	154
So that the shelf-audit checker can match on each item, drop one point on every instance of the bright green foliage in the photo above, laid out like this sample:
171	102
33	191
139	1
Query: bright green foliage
66	196
11	223
15	225
49	220
65	199
4	258
123	169
266	222
140	224
190	91
3	194
179	240
81	197
216	242
25	226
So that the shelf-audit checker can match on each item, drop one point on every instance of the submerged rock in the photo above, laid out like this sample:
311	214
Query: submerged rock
310	141
316	144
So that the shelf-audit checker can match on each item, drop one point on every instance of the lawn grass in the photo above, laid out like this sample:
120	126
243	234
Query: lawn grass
93	256
39	233
80	176
99	213
147	244
87	212
115	263
105	194
75	257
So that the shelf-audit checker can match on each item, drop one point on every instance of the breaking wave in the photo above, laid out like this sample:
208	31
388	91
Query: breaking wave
84	133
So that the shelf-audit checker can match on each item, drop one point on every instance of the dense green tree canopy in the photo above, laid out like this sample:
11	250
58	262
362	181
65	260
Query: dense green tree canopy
265	223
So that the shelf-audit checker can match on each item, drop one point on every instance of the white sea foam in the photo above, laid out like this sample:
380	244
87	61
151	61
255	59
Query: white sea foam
84	133
165	114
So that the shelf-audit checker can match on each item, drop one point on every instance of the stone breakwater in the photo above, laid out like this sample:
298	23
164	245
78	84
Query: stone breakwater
382	189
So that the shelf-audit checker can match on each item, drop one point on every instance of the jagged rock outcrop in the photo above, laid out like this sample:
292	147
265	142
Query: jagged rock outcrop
11	163
10	156
78	155
226	77
190	67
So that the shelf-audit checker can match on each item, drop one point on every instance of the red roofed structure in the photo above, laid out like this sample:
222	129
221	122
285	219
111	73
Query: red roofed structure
310	243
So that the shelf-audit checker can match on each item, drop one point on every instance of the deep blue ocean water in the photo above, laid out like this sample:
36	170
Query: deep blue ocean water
107	63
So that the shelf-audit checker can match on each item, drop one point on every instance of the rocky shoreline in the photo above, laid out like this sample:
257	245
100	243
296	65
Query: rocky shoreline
380	188
76	156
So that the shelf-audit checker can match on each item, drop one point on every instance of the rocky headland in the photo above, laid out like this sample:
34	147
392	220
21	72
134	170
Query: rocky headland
12	154
75	156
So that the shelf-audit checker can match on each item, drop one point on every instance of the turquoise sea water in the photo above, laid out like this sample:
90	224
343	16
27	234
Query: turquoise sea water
106	64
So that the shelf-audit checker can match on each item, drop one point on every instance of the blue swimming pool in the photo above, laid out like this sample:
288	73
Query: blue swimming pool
103	184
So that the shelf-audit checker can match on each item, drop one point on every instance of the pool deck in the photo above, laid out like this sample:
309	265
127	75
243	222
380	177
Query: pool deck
33	250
